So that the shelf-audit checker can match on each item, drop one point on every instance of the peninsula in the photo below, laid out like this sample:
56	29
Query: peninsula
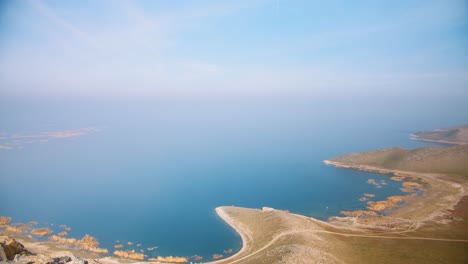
434	220
454	135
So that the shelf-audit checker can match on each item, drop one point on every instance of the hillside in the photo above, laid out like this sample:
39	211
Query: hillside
446	160
455	135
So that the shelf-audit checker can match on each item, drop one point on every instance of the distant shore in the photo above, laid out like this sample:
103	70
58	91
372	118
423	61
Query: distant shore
416	137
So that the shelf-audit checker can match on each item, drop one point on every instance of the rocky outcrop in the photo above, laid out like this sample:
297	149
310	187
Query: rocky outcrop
10	248
12	251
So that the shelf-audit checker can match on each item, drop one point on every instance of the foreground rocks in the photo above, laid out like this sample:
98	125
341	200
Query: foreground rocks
9	248
12	251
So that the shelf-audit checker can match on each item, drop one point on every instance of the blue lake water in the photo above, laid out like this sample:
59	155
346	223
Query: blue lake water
156	169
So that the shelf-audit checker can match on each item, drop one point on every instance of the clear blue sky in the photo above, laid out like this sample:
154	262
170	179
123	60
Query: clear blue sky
228	48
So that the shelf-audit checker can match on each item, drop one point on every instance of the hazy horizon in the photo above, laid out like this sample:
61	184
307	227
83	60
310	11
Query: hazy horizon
233	48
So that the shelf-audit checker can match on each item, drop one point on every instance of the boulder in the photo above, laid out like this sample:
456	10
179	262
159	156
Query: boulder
3	256
12	247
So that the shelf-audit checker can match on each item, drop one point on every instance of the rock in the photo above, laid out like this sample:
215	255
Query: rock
12	247
3	256
37	259
64	259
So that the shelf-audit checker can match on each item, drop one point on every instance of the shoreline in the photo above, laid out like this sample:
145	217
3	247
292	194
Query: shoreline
438	186
415	137
237	228
435	181
444	193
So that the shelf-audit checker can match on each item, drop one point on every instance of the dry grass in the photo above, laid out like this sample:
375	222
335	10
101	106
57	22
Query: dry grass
42	232
4	220
169	259
87	243
129	254
358	213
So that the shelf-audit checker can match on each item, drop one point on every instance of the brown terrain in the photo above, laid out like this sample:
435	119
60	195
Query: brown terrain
455	135
427	228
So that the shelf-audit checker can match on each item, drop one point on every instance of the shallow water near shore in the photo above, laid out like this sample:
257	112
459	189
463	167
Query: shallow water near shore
152	171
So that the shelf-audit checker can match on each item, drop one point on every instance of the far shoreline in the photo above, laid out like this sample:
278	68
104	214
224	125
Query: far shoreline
416	137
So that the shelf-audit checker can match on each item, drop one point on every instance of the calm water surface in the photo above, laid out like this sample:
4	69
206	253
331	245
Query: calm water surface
156	170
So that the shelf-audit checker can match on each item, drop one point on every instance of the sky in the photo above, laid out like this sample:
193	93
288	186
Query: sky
114	48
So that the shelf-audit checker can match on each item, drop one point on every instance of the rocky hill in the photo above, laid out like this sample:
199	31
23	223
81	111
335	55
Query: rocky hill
454	135
445	160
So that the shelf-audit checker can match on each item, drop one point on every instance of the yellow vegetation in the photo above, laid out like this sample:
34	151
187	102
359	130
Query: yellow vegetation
390	203
398	178
410	186
129	254
63	234
169	259
118	246
372	181
378	206
217	256
98	250
4	220
358	213
14	230
42	232
87	243
63	240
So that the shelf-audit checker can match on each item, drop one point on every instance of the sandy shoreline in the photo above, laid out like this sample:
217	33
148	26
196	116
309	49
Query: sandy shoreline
239	230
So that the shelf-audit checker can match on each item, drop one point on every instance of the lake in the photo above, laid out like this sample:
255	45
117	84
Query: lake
151	171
